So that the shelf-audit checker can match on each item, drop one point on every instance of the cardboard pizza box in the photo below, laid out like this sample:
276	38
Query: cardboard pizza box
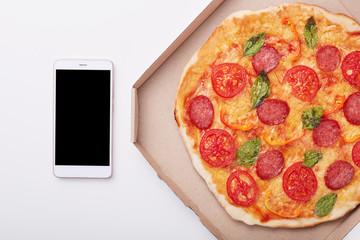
156	135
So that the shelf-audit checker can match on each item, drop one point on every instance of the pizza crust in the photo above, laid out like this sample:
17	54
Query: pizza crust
238	213
338	18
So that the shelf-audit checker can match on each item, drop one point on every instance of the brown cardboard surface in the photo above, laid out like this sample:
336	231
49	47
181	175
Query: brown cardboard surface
156	134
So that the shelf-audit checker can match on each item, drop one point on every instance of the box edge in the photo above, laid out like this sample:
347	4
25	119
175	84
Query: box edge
134	115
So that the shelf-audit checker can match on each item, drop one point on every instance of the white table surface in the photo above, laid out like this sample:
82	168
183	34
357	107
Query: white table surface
134	203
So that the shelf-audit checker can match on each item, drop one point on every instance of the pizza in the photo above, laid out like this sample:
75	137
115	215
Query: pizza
269	111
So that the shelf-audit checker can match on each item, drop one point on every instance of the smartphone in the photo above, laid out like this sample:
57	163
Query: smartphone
83	118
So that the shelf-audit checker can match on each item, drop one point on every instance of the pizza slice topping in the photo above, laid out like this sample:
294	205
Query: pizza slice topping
269	164
273	111
339	174
304	82
355	154
310	32
241	188
260	90
351	108
338	104
311	158
266	59
274	141
299	182
325	205
328	58
295	55
217	148
201	112
351	68
249	152
327	133
228	79
254	44
246	122
311	118
276	201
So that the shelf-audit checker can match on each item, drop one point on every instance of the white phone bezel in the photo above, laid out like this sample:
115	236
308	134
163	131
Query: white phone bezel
70	171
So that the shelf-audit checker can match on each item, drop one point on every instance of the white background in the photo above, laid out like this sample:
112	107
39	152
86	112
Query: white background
134	203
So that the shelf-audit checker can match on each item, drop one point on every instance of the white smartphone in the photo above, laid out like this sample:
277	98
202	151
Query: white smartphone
83	113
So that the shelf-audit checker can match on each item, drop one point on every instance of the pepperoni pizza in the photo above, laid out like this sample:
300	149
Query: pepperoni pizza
269	110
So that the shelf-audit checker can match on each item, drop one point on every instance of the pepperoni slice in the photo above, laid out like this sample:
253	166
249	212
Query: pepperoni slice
266	59
304	82
269	164
217	147
328	58
339	174
228	79
201	112
351	108
273	111
299	182
351	68
356	154
241	188
327	133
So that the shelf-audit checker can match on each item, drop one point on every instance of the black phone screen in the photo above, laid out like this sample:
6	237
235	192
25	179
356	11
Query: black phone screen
82	117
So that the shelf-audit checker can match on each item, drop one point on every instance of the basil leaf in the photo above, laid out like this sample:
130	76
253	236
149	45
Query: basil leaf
249	152
260	89
311	118
310	32
325	205
254	44
311	158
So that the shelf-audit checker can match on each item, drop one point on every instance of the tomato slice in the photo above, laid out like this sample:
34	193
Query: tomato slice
304	82
228	79
299	182
241	188
351	68
217	148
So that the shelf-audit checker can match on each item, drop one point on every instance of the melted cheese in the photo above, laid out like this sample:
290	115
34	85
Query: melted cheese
226	45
